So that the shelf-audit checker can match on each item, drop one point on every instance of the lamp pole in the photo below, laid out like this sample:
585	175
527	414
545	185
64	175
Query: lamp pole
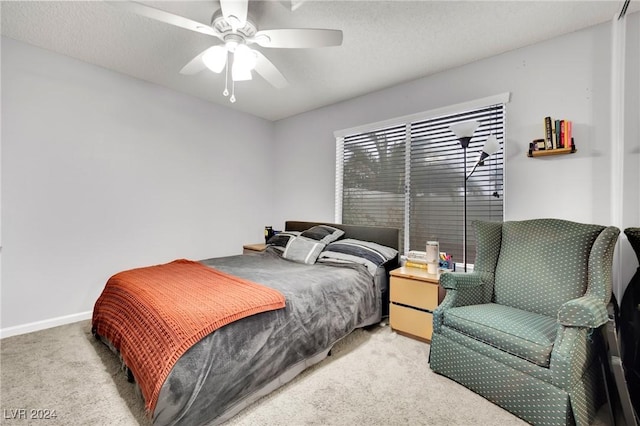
464	142
464	132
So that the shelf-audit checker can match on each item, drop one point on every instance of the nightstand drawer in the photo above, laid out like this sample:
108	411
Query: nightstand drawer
411	321
414	293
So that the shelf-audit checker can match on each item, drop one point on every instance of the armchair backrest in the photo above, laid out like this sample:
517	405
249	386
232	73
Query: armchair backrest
543	263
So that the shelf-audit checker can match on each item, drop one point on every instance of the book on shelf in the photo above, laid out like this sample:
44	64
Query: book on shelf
557	135
548	133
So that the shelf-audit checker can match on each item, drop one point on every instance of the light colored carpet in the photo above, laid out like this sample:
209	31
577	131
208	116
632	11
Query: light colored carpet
65	369
374	377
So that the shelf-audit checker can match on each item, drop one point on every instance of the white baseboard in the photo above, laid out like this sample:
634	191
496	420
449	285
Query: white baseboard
41	325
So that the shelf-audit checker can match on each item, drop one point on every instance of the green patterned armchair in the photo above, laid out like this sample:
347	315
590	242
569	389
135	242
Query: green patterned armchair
519	329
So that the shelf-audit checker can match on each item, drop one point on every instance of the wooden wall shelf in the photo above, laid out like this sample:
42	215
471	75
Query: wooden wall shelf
557	151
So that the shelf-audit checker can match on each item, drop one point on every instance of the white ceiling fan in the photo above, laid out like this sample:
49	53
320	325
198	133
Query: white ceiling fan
232	26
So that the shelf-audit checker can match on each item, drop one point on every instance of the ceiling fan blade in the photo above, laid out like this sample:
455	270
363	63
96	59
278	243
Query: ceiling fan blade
298	38
194	66
166	17
235	12
269	72
198	64
292	4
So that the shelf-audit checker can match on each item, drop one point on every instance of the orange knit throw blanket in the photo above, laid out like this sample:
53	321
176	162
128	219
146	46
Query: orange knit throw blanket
153	315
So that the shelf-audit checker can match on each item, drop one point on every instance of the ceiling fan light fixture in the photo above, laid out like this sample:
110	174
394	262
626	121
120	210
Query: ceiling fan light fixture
244	57
215	58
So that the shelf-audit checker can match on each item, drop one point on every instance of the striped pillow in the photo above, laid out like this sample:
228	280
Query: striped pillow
365	253
326	234
303	250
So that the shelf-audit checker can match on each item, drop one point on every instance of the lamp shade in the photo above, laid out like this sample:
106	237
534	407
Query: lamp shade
464	129
240	73
215	58
244	60
244	57
491	146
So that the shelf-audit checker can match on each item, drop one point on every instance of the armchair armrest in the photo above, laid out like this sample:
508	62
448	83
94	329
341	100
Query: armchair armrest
460	280
579	319
463	289
468	288
586	311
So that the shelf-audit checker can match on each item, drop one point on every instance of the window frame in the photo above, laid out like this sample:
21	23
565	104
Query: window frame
407	121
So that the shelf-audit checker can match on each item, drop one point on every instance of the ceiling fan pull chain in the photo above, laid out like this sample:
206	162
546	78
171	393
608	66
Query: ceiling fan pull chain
232	99
233	91
226	77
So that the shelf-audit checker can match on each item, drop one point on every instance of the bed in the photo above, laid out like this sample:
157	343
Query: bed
325	299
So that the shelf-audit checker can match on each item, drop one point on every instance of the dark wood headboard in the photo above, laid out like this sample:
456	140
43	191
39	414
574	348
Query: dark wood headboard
389	237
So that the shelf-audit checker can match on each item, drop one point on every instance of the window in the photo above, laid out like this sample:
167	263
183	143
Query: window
409	173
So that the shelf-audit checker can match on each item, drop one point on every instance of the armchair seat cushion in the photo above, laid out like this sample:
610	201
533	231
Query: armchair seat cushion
527	335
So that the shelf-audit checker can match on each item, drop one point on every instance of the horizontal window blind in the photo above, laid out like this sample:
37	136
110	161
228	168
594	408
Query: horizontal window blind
373	184
437	181
411	176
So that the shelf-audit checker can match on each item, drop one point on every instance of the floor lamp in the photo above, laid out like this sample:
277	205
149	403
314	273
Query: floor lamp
464	132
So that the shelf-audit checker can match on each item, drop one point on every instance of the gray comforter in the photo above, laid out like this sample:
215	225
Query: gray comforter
238	363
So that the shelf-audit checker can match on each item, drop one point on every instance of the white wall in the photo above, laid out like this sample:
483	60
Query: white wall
102	172
567	77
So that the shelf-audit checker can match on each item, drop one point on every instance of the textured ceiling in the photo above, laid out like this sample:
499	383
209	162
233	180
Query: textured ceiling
385	42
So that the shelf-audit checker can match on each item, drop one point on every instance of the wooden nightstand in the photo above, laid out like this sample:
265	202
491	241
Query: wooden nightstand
253	248
414	294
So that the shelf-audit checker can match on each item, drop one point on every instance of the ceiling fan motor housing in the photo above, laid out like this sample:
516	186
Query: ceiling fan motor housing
222	26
